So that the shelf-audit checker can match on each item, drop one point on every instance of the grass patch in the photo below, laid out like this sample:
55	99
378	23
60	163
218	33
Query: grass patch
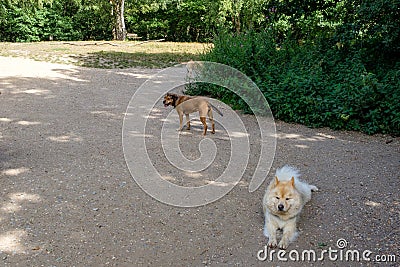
107	55
60	49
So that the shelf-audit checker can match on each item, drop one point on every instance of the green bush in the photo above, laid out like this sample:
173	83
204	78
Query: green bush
56	27
182	21
18	25
312	84
93	22
60	20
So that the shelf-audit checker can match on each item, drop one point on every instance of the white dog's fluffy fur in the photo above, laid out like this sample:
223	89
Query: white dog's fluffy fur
282	203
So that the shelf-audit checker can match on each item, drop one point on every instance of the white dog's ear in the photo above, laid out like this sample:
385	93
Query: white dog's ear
276	181
292	181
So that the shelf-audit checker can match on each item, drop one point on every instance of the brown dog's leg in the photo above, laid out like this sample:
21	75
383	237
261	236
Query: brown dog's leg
210	117
180	122
187	121
203	120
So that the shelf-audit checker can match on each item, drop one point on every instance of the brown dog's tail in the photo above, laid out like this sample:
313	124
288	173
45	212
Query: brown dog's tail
216	109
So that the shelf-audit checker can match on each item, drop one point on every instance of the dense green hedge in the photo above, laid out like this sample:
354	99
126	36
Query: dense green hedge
312	83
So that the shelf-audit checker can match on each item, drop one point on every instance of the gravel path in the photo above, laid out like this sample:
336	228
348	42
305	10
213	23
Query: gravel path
68	199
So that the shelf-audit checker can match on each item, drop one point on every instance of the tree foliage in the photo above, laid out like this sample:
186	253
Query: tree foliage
26	21
176	20
192	20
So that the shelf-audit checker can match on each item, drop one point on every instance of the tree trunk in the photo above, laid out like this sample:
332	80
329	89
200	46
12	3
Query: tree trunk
119	30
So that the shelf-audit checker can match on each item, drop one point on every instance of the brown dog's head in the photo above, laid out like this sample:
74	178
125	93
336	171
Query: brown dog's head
170	100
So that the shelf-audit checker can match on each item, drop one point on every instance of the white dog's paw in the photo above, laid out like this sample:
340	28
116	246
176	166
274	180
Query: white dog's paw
272	243
283	244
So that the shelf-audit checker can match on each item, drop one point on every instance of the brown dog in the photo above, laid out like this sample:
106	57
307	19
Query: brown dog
186	105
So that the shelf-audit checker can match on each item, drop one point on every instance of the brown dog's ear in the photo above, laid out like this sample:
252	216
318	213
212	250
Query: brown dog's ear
174	96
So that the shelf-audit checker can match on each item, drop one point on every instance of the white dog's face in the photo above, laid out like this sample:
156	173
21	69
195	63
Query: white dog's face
283	198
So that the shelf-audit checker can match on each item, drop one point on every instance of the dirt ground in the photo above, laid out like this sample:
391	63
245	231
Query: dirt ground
107	55
67	197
